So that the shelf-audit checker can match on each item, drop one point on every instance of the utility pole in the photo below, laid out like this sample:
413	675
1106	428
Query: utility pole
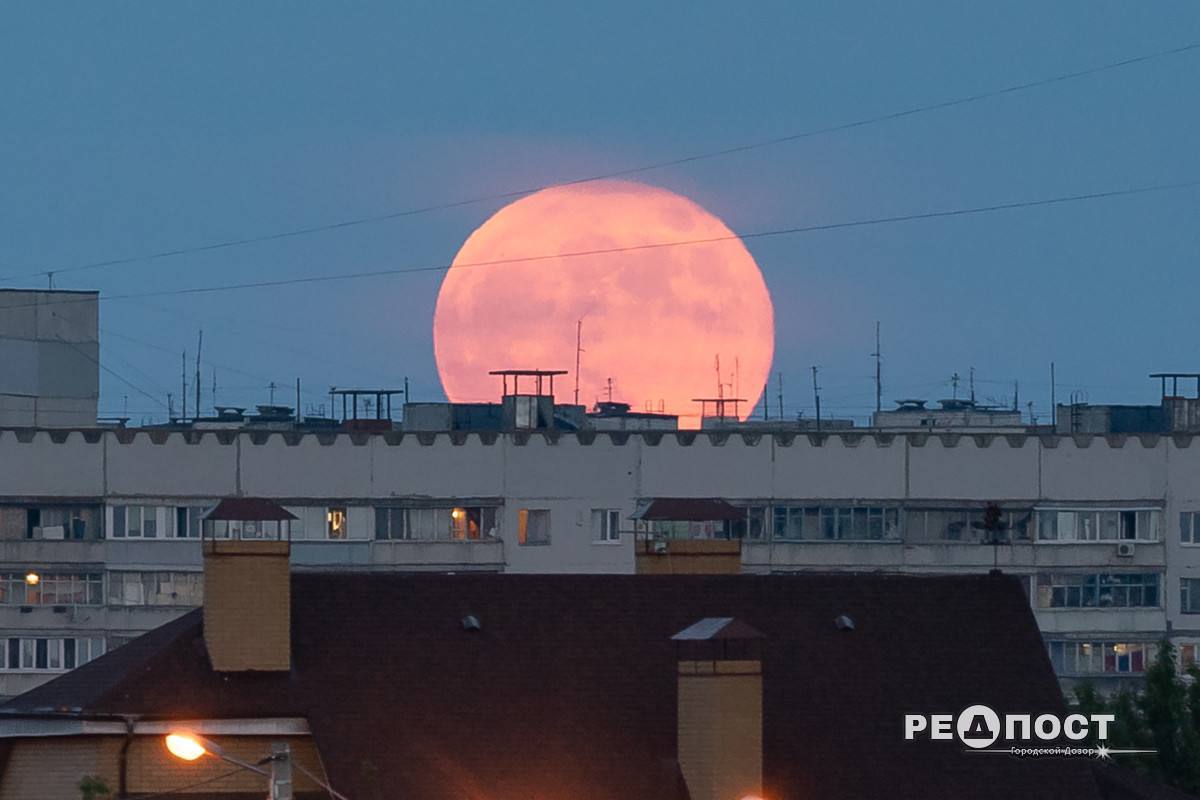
297	399
817	397
170	406
578	353
1016	395
199	346
766	400
954	379
214	390
281	771
972	379
780	396
878	356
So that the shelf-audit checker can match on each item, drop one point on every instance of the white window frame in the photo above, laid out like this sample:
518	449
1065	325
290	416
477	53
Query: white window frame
1189	528
606	526
1189	595
1072	513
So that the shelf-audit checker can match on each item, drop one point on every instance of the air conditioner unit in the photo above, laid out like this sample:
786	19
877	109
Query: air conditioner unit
660	548
51	531
1125	549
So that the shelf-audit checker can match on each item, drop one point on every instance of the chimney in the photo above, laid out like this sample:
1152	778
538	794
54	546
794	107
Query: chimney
719	731
247	586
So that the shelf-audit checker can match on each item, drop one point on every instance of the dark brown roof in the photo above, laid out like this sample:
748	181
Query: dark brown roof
249	509
690	509
569	687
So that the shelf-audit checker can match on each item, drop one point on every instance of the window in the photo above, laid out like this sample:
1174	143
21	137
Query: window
1189	599
389	523
1189	527
155	588
54	589
606	525
48	654
1098	525
1187	657
464	523
1098	590
187	521
335	522
533	526
1100	658
135	522
852	523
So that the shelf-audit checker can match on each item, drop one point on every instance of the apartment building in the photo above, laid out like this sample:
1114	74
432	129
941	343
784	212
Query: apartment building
99	528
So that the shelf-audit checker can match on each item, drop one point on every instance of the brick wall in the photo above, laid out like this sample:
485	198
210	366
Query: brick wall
50	768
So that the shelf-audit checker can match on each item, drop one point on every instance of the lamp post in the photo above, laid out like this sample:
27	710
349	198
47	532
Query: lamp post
190	747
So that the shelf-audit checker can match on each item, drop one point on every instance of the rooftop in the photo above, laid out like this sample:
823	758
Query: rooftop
569	682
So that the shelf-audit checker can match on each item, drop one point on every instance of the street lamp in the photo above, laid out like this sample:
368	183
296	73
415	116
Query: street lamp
189	747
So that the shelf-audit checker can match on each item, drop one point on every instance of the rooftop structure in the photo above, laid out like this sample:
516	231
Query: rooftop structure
50	351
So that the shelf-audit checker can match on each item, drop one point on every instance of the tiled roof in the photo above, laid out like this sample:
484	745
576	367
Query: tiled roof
690	509
568	689
249	509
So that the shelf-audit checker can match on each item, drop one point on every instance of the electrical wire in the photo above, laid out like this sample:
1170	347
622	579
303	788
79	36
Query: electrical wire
635	170
802	229
190	786
112	372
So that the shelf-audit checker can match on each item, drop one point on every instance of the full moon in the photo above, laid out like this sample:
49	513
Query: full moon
673	306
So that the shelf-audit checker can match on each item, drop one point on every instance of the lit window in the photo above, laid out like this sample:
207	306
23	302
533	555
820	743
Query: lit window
335	519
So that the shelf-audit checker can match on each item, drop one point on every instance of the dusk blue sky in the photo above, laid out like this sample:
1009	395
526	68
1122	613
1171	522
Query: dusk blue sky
138	127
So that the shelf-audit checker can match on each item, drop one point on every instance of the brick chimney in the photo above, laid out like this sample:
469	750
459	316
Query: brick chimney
720	724
247	586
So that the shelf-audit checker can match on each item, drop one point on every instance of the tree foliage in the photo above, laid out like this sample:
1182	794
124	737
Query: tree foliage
1163	715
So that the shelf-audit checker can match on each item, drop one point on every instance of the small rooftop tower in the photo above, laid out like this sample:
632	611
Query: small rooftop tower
524	410
720	722
247	586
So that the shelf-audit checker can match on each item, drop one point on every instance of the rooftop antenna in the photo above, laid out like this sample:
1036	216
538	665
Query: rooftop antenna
183	384
972	381
1053	403
298	400
720	386
737	377
878	356
50	280
817	397
954	379
1016	395
781	395
271	390
578	353
170	406
199	345
609	389
1032	418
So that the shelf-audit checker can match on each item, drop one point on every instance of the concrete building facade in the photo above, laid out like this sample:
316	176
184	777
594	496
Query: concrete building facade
1105	529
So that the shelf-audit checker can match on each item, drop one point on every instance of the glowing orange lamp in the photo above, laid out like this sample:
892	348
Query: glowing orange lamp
185	746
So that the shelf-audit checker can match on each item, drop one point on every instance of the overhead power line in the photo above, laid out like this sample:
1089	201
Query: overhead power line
635	170
831	226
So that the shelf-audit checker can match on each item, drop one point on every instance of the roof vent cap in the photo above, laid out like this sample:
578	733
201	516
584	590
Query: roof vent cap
844	623
471	623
